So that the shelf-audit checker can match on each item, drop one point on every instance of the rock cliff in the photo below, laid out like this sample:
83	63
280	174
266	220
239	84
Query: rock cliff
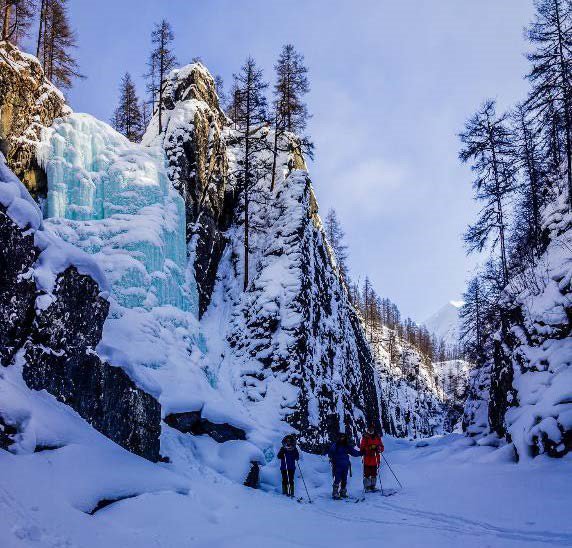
28	103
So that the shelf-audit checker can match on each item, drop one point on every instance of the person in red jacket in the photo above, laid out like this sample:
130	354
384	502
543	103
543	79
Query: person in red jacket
372	447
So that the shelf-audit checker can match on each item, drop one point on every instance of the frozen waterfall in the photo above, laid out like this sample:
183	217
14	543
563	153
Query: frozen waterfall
113	199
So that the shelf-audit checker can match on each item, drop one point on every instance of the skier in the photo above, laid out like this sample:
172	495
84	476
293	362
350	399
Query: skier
339	454
372	447
288	456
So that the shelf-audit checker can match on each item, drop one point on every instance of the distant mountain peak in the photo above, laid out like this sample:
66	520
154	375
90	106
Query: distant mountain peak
445	322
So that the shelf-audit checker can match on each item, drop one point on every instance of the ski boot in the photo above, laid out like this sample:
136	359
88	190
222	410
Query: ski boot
336	491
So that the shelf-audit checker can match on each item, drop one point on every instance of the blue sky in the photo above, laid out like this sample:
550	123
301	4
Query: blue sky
392	84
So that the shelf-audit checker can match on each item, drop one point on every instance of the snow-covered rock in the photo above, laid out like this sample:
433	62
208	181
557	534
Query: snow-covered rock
193	141
524	394
53	304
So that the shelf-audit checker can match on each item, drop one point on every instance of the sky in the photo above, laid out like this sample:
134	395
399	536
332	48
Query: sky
392	85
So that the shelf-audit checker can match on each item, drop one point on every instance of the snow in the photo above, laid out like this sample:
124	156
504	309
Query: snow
445	323
455	492
14	196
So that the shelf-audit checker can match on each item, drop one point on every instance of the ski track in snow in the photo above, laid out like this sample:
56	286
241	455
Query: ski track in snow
449	523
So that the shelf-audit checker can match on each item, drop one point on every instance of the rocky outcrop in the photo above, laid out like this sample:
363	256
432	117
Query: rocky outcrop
7	434
60	358
59	326
198	167
294	330
17	286
28	102
191	422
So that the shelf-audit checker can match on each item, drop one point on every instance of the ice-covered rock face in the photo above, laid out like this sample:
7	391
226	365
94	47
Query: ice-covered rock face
112	198
193	140
28	102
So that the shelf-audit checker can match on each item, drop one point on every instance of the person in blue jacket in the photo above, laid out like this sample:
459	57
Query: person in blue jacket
288	456
339	454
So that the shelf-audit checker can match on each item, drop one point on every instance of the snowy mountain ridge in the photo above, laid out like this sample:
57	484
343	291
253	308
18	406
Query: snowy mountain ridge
445	323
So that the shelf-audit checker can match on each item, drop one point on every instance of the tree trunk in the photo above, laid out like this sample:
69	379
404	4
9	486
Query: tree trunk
6	20
566	101
247	179
533	183
498	197
274	154
161	77
41	27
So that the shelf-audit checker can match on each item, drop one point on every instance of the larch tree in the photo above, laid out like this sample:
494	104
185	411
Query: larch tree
56	42
488	147
146	114
233	101
528	158
290	112
220	91
127	118
251	120
551	75
16	18
472	316
161	61
335	235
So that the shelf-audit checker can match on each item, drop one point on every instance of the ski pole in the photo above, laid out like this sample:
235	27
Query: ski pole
389	466
302	476
379	479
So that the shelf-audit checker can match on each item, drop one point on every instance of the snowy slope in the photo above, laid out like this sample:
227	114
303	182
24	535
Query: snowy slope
79	489
445	323
523	393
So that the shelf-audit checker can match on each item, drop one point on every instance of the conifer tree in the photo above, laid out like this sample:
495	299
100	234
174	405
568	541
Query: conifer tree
488	146
16	19
127	118
290	110
220	91
551	75
161	61
335	235
250	119
145	114
529	161
56	42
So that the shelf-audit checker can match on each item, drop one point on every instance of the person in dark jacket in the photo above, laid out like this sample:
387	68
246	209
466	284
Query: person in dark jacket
288	456
339	454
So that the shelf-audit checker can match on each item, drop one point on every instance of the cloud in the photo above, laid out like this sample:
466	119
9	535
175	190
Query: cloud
367	186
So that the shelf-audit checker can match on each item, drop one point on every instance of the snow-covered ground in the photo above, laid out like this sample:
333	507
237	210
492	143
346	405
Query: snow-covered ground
455	493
